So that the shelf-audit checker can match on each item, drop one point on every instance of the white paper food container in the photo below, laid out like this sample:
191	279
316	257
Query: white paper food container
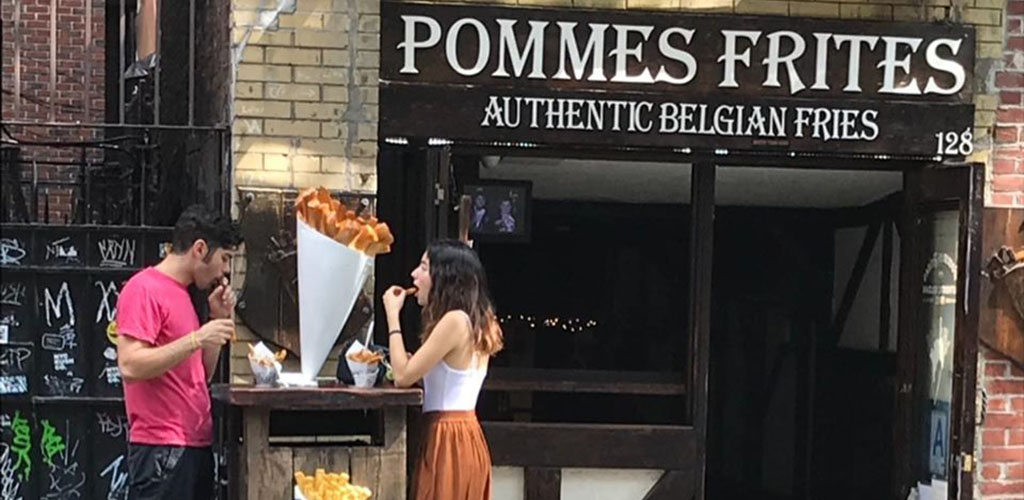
264	375
364	374
331	277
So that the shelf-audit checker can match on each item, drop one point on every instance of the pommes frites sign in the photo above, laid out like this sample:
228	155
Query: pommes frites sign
681	81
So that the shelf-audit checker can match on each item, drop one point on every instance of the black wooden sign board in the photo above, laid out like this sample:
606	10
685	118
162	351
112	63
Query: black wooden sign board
680	81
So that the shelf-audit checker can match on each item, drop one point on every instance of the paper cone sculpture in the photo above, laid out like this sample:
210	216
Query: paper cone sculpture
335	257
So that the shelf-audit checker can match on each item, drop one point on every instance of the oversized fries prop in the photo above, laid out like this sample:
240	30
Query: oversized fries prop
328	486
335	255
332	218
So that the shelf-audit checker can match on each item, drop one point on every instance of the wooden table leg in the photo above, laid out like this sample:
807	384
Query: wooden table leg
393	455
267	473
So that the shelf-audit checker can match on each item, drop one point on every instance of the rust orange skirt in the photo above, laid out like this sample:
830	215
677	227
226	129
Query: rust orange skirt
454	460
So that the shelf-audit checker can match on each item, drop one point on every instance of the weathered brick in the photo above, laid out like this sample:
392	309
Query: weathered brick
264	73
293	91
263	178
336	58
335	93
547	3
315	5
328	181
762	7
280	55
276	162
601	4
989	33
248	90
333	129
338	23
322	147
318	74
299	128
918	13
653	4
248	161
326	39
302	20
990	50
369	23
271	109
367	77
368	42
863	11
247	126
368	59
252	54
707	5
319	111
985	17
814	9
279	37
986	101
368	6
304	163
334	164
271	145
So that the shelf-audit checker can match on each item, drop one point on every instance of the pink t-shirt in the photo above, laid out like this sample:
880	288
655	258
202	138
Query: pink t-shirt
174	408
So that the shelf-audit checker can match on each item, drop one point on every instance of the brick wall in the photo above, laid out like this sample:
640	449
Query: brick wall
305	101
1001	468
72	93
1007	180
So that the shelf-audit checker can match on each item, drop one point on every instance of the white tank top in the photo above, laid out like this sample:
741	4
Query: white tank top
448	389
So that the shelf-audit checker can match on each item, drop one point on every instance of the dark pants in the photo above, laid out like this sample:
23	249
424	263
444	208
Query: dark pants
169	472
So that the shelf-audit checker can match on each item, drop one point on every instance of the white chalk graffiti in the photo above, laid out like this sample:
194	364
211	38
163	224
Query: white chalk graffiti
66	480
107	310
114	426
110	353
59	385
118	479
13	384
6	324
65	339
54	307
63	362
116	253
12	294
9	485
11	252
112	374
62	249
14	357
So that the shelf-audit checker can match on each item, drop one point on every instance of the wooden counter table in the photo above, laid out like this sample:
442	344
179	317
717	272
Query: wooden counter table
380	466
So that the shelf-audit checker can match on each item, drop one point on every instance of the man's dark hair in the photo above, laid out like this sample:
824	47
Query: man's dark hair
200	223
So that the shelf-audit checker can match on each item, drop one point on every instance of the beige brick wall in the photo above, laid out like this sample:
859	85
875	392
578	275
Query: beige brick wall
304	115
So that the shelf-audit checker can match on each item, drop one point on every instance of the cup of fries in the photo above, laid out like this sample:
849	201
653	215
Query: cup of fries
265	365
336	247
363	363
328	486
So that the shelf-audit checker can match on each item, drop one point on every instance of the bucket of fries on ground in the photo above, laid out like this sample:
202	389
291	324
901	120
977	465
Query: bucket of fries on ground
324	485
265	365
336	247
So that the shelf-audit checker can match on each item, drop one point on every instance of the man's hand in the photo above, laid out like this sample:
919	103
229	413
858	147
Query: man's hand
216	333
222	301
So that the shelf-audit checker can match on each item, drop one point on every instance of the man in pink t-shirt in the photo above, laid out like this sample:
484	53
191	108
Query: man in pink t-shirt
167	359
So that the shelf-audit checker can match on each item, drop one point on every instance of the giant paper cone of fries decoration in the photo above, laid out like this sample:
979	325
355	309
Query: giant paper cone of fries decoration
335	256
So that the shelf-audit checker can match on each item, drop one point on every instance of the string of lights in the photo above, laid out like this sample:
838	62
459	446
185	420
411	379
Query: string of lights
571	325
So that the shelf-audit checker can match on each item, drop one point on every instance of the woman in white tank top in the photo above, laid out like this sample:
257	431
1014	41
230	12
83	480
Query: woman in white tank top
460	334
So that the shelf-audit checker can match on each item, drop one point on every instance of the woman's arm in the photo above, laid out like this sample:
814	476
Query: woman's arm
445	337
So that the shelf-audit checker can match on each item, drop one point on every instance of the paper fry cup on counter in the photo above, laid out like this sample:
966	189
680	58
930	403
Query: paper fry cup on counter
266	371
364	374
331	276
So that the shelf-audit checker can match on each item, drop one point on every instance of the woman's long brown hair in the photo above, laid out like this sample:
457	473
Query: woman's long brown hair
458	282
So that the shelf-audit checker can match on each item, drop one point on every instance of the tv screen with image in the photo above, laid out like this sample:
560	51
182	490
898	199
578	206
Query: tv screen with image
500	211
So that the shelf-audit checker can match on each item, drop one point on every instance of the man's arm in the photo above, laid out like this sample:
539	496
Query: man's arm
139	360
210	356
